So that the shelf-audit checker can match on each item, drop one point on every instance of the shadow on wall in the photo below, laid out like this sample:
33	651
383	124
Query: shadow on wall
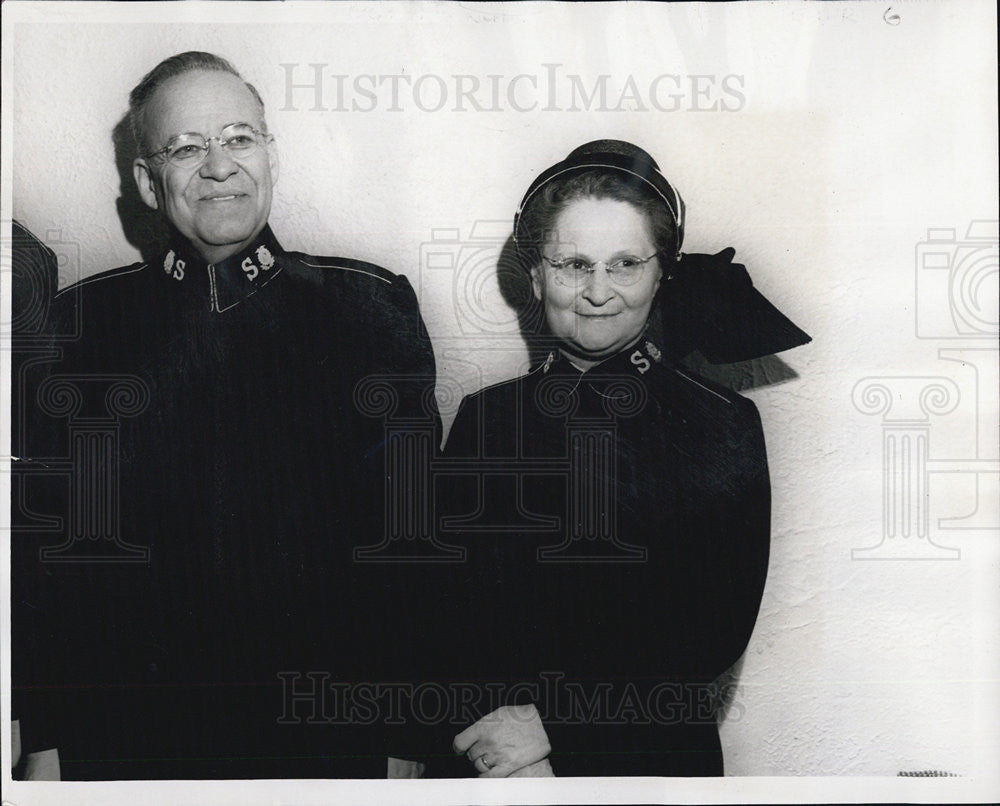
143	227
515	287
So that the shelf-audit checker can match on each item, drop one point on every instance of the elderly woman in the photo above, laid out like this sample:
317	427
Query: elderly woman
622	521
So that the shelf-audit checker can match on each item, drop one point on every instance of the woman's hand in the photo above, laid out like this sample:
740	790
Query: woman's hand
506	741
540	769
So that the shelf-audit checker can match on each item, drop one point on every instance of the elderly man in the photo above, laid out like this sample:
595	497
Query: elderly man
215	635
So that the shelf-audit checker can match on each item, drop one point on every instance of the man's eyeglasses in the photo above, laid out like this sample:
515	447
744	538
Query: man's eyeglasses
574	272
189	150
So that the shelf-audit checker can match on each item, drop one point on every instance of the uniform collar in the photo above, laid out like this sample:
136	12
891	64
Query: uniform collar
636	360
615	387
228	282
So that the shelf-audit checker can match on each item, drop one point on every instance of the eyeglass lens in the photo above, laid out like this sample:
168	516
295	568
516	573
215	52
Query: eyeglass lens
575	272
239	139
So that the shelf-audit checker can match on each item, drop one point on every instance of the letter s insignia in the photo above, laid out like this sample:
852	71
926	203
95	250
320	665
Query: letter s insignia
640	361
249	268
179	270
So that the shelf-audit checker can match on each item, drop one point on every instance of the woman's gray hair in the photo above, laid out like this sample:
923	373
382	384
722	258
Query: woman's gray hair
537	221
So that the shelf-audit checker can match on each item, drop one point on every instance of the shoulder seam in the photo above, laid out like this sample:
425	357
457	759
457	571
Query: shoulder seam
504	383
523	377
106	275
691	379
345	268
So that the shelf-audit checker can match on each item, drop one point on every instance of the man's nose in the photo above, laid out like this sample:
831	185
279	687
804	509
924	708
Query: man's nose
598	289
218	164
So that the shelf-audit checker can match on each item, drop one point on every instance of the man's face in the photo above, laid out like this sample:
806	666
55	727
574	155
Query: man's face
222	204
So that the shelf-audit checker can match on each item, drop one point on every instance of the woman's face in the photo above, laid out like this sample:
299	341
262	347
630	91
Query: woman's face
597	317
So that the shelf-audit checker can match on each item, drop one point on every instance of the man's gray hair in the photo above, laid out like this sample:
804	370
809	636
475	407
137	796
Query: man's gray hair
187	62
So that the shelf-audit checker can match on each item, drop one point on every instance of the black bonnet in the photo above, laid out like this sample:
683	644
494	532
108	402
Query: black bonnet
709	304
616	155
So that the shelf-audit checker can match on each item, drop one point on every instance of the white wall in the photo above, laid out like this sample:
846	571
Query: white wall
856	135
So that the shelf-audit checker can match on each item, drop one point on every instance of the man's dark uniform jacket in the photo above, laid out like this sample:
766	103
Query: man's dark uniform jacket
674	469
249	466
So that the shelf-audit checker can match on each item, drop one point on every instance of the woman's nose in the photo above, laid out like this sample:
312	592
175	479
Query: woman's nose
598	289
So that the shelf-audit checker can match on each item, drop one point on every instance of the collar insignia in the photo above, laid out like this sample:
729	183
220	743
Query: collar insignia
232	279
173	267
265	257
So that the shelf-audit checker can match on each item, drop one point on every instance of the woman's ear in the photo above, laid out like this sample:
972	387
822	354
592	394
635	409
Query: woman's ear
537	283
660	277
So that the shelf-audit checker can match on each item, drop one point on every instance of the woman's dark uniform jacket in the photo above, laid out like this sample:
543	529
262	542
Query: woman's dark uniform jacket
251	475
635	645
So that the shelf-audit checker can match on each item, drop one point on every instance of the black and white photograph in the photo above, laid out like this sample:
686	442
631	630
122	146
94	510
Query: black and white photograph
455	403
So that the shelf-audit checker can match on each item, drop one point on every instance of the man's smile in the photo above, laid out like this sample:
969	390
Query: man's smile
221	197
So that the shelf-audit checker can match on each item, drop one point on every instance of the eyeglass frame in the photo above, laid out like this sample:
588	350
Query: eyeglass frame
592	267
162	152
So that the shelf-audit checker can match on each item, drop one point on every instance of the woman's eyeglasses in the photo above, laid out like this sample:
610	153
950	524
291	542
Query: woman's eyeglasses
574	272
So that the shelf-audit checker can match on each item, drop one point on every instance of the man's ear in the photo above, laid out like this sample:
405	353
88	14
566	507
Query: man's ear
145	182
272	159
536	282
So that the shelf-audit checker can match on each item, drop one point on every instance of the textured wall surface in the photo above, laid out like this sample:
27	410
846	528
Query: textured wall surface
854	136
